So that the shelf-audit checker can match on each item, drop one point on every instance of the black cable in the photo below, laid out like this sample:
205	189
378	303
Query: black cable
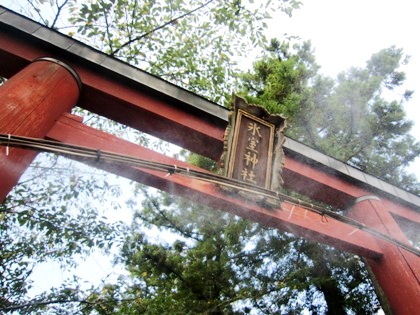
109	157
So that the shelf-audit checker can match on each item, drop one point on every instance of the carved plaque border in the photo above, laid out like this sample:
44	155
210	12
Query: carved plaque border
259	153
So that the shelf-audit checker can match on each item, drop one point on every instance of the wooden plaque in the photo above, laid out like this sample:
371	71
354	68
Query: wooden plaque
253	146
252	153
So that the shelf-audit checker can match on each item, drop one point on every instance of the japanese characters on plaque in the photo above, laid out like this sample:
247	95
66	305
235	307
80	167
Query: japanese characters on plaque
253	146
252	153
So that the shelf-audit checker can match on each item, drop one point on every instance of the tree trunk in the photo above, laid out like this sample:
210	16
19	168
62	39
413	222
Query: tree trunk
327	284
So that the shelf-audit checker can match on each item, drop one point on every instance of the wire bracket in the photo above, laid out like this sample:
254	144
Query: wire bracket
98	155
8	142
171	171
291	212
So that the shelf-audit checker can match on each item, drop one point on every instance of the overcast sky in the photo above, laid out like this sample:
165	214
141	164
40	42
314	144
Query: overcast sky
346	33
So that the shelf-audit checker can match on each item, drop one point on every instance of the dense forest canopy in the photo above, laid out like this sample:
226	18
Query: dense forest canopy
181	257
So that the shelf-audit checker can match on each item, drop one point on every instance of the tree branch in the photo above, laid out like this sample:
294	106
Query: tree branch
38	304
159	27
57	15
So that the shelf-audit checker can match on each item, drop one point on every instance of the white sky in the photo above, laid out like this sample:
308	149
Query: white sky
346	33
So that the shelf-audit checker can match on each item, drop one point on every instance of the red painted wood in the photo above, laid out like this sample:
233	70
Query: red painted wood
31	101
398	271
292	218
319	185
114	99
332	189
138	108
144	112
404	212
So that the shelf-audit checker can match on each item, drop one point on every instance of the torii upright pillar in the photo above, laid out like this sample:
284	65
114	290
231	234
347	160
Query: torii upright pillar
30	103
398	271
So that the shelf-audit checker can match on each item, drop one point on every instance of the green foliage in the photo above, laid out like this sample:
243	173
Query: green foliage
194	50
348	118
187	259
46	12
53	220
279	80
56	221
213	262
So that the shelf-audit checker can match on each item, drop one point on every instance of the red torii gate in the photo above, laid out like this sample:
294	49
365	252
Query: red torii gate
36	99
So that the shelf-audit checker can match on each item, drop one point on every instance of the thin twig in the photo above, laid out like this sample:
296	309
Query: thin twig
113	53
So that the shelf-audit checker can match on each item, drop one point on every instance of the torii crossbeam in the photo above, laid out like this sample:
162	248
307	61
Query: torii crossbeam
36	99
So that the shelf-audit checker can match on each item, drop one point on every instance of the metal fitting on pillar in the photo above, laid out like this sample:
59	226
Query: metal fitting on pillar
65	66
367	197
32	101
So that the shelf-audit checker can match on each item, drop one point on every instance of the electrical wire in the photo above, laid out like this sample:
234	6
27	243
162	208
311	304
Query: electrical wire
97	155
